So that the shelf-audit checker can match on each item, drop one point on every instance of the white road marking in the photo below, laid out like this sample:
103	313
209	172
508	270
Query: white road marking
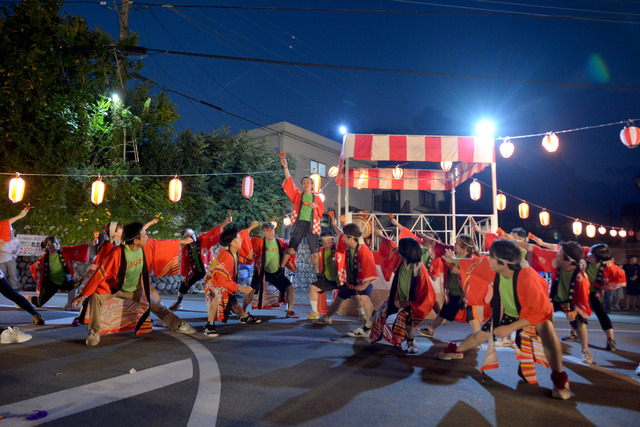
207	402
89	396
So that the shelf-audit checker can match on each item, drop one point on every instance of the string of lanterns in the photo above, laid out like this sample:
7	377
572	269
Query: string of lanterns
17	185
629	136
544	216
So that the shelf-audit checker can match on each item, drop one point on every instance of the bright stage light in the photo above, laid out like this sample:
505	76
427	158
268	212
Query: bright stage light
343	130
485	128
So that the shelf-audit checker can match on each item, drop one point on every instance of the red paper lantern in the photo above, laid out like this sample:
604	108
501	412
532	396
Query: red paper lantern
506	149
397	172
446	165
315	178
475	190
602	230
591	230
544	218
613	232
622	233
577	227
175	189
361	182
247	187
523	210
550	142
630	136
16	189
333	171
97	191
501	201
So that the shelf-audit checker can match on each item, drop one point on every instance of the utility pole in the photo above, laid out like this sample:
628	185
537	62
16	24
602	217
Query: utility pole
123	18
128	146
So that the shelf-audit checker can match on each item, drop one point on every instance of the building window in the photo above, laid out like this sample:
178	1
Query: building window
319	168
427	199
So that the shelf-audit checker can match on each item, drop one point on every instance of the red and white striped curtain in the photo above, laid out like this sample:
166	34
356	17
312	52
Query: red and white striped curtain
470	154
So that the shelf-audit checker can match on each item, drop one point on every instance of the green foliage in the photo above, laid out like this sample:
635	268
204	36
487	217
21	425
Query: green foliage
57	119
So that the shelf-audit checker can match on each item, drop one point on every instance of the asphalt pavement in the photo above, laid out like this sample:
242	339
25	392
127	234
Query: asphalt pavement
290	372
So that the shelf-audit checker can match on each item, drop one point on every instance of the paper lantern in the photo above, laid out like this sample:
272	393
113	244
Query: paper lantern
360	182
275	224
622	233
446	166
16	189
550	142
630	136
544	218
175	189
475	190
591	230
397	172
506	149
321	196
631	232
247	187
333	171
317	181
523	210
602	230
613	232
501	201
97	191
577	227
286	221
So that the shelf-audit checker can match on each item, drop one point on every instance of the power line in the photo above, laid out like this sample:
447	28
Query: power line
393	71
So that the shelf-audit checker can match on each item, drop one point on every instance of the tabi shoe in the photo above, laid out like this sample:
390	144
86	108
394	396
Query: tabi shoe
249	319
210	331
450	353
503	342
322	320
425	332
93	339
359	333
560	386
13	336
186	328
587	357
412	348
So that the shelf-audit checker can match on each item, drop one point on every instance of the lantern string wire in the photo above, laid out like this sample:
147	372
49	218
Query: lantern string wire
549	210
621	122
173	175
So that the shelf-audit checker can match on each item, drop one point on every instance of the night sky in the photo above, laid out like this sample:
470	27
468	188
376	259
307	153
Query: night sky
555	66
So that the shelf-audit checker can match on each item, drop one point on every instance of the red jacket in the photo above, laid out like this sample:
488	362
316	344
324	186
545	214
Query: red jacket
366	263
79	253
532	289
295	195
161	256
422	297
205	242
581	289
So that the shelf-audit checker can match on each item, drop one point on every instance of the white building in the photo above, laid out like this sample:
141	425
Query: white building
315	153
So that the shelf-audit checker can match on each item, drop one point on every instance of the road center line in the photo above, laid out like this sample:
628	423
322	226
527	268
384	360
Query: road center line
89	396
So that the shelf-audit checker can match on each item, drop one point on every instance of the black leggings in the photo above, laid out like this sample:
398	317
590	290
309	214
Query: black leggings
596	300
187	284
48	289
14	296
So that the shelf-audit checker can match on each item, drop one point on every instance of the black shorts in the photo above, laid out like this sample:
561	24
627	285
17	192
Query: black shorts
280	281
451	308
348	291
574	323
506	320
300	230
325	285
